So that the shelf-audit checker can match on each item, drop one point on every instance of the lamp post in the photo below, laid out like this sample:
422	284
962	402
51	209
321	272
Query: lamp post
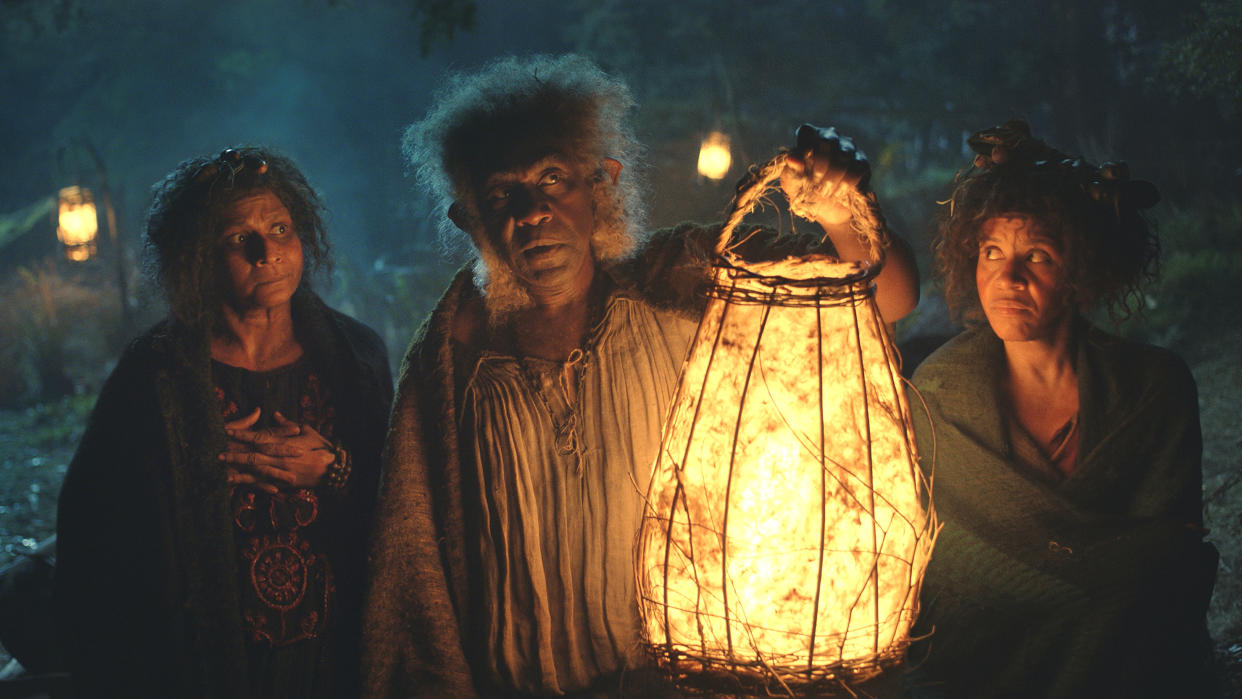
787	524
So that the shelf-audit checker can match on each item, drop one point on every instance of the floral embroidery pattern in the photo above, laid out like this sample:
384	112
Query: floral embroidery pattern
292	586
278	573
227	407
286	584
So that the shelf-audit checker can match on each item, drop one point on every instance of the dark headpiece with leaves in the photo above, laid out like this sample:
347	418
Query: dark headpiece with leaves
1011	144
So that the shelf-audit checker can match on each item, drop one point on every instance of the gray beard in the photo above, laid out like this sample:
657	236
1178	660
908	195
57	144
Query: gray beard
503	294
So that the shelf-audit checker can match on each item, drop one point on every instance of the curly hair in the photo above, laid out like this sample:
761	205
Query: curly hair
1095	214
187	215
513	112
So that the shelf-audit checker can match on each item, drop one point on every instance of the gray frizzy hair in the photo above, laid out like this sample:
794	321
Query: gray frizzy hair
508	115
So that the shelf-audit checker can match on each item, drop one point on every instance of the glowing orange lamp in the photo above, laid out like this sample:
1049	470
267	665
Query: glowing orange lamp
787	524
714	156
78	223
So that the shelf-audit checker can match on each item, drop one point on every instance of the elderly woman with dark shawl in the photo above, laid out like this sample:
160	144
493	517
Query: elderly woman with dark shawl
213	520
1067	461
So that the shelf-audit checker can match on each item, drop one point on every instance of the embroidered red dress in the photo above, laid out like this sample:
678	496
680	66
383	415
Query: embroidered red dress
285	577
158	590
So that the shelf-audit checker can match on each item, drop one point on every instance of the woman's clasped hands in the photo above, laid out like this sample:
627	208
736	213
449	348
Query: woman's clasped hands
288	454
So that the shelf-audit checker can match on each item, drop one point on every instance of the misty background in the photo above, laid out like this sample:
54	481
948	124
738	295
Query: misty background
145	84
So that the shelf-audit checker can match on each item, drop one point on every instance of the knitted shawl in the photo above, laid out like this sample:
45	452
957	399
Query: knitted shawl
1096	586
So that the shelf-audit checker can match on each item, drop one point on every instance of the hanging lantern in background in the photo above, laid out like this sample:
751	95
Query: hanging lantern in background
787	524
714	156
78	224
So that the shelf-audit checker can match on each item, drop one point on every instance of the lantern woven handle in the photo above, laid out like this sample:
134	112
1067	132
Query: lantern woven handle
865	218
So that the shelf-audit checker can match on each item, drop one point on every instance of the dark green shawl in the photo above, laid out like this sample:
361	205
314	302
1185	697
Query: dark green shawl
1096	586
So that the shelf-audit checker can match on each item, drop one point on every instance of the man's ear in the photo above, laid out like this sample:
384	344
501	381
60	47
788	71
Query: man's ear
612	167
457	214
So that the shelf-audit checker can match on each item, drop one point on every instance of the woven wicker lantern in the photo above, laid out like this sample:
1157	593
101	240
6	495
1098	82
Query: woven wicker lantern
787	525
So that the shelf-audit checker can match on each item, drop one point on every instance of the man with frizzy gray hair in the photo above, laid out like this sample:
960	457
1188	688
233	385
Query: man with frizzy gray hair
530	404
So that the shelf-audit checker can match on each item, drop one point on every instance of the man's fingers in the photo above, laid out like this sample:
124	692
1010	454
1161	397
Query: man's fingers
808	135
827	167
857	175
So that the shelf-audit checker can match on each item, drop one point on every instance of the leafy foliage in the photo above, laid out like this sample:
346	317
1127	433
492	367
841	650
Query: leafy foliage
1207	60
440	20
911	78
56	330
1196	297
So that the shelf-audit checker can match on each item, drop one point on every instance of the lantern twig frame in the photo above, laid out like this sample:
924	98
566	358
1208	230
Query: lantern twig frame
82	145
750	578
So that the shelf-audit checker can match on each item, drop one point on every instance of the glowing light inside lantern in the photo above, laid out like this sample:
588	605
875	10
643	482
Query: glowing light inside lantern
78	223
787	528
714	156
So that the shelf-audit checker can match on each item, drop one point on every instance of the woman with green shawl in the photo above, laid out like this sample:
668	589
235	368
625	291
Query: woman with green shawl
1066	461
